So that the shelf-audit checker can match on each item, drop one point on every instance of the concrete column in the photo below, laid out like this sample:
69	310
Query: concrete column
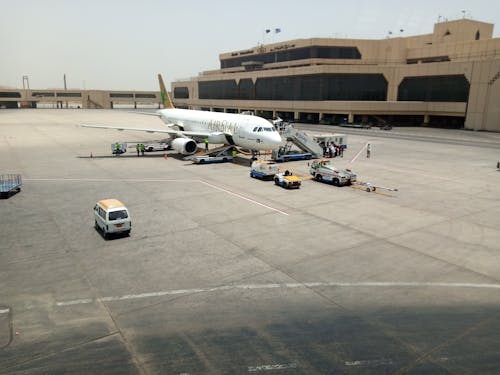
426	119
350	118
135	105
321	115
296	115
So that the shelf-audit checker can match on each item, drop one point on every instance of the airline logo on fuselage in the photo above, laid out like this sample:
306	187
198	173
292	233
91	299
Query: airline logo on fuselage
223	126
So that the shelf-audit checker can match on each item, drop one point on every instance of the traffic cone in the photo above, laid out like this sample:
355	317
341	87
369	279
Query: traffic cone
165	156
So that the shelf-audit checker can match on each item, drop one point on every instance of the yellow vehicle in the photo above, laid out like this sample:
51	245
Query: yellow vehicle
111	216
287	180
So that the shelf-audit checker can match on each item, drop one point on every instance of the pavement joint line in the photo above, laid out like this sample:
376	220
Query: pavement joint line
375	284
161	180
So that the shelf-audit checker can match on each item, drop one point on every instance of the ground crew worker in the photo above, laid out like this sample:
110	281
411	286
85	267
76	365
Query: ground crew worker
368	150
143	148
234	153
117	148
206	143
138	148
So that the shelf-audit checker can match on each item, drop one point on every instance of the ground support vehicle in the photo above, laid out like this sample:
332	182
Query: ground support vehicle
159	146
118	148
287	180
323	170
10	184
263	169
285	154
369	187
219	155
112	217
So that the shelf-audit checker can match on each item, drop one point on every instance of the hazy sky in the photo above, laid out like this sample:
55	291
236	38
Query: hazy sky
122	44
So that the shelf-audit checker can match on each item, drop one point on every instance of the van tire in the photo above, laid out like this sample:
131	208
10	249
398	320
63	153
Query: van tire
95	225
335	182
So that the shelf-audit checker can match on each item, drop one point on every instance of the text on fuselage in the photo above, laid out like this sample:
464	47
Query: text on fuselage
222	126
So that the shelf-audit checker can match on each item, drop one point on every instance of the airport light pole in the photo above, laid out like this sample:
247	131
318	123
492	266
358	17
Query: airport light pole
26	78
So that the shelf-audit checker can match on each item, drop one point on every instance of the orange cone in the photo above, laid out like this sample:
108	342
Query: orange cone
165	156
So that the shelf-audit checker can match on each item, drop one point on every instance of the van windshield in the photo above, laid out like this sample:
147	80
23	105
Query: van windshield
116	215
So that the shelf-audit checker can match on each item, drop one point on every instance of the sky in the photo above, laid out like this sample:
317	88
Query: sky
123	44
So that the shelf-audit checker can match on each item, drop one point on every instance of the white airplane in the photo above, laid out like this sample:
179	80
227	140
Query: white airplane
188	127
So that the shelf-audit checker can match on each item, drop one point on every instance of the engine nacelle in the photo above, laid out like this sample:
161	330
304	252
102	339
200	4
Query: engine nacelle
184	146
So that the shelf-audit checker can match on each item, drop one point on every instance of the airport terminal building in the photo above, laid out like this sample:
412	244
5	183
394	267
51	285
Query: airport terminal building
449	78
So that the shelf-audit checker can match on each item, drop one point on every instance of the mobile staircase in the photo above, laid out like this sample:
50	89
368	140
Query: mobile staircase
303	141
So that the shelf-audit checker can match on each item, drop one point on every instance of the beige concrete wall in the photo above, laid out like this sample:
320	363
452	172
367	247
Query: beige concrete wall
483	110
478	60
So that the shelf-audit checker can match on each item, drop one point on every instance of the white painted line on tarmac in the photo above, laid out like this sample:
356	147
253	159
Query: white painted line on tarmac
369	363
276	286
75	302
244	198
157	180
359	152
109	180
282	366
4	311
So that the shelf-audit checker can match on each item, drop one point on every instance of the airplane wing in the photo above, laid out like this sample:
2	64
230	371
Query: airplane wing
174	132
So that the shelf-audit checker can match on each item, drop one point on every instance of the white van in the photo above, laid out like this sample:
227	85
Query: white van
111	216
263	169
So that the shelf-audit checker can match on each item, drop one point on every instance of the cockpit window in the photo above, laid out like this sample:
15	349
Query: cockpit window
260	129
255	129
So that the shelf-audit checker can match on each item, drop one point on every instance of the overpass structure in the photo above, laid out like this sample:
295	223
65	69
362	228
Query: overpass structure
61	98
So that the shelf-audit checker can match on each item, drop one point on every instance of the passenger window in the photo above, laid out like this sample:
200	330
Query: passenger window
115	215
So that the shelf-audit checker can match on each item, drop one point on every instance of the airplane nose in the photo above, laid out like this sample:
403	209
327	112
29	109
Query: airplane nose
276	140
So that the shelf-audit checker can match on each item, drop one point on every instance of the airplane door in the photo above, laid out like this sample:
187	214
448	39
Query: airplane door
240	133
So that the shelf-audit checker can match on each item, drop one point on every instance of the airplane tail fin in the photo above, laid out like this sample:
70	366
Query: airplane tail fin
167	103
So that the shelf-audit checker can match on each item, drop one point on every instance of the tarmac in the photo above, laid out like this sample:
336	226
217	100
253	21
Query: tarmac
225	274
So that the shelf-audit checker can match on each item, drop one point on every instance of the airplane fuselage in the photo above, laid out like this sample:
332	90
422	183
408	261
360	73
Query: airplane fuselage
247	131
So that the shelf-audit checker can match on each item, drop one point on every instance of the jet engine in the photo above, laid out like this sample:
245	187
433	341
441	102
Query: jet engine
184	146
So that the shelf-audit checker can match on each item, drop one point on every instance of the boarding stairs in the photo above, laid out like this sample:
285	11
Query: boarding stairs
303	141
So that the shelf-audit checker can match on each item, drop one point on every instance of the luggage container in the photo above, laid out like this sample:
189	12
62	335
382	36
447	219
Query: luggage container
10	184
